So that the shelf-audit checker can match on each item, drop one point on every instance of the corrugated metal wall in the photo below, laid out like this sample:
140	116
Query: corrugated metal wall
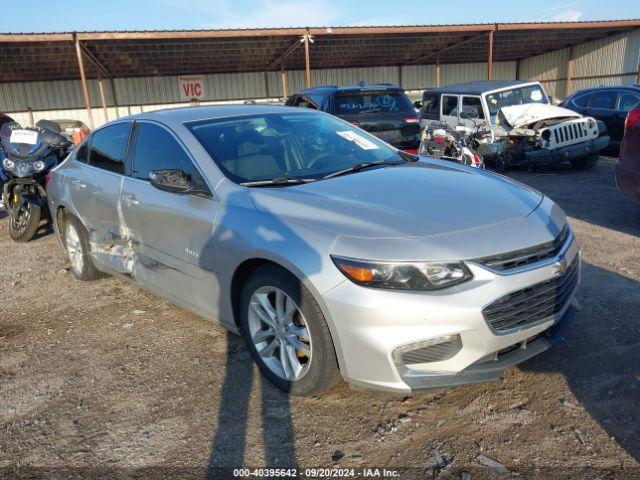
611	61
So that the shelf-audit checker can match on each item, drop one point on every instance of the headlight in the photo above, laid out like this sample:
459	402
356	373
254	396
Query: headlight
403	275
39	166
8	164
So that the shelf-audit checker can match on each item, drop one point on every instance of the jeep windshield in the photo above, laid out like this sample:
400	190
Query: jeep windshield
514	96
389	101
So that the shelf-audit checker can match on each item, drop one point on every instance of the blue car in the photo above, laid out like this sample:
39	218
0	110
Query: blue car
607	104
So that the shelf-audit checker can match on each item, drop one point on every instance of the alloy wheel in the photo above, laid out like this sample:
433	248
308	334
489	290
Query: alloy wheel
279	333
74	248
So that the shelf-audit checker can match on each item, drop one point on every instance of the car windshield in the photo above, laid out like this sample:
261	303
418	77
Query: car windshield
304	145
374	102
514	96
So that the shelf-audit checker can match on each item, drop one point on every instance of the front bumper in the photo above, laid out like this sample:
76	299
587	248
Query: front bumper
570	152
371	326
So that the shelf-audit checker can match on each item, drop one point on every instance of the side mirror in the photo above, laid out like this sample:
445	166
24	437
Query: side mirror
417	104
177	181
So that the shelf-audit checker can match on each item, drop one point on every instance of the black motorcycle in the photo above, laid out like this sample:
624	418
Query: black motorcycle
27	155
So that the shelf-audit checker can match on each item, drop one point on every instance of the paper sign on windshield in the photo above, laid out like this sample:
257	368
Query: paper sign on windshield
24	136
359	140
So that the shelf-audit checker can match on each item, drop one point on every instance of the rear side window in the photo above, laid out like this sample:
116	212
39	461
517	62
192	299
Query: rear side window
109	146
372	102
304	102
603	100
449	105
430	103
82	155
626	101
157	149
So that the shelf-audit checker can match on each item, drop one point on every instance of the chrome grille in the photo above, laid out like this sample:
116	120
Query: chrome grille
534	303
526	256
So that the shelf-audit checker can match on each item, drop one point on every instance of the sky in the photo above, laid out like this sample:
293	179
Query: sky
87	15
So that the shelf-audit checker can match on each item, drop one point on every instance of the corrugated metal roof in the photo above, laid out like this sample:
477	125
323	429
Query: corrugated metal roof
37	56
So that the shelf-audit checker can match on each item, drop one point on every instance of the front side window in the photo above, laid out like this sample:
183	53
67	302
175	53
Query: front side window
515	96
109	146
157	149
473	107
604	100
372	102
303	144
581	101
450	106
626	101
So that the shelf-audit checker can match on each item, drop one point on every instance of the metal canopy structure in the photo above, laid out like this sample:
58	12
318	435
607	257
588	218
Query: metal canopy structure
29	57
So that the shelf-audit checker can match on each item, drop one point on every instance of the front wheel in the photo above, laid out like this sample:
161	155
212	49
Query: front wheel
287	333
24	222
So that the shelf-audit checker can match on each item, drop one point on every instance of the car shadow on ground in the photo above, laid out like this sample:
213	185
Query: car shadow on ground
228	450
229	443
600	357
597	201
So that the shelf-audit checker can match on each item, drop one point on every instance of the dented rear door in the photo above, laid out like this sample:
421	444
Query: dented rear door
95	194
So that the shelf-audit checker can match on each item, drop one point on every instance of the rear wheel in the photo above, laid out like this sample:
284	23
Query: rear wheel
24	223
286	332
585	163
76	242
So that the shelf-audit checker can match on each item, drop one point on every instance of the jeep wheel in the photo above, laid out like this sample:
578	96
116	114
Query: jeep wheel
585	163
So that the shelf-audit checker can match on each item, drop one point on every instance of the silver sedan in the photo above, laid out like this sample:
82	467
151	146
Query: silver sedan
332	253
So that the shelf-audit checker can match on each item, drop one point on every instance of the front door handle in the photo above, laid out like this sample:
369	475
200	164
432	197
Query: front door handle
79	184
130	199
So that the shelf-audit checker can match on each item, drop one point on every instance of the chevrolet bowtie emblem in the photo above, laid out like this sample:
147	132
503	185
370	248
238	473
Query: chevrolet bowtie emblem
560	266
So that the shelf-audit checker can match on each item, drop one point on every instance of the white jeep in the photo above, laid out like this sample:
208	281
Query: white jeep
521	125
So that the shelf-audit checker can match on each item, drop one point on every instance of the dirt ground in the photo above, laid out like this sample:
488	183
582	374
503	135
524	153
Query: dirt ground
103	379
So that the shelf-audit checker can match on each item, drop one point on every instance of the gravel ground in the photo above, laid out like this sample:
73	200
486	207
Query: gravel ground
103	379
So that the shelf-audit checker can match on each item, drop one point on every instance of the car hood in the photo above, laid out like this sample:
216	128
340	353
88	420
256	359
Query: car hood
420	199
522	115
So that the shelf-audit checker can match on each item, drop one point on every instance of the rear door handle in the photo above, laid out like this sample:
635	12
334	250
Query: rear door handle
130	199
79	184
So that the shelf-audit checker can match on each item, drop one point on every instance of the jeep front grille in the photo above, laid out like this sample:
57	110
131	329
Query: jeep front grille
570	132
527	256
534	303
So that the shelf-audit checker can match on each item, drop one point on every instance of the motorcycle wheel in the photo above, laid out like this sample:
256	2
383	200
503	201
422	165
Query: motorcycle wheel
24	224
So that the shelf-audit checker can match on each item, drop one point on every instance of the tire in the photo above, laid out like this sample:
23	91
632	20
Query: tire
319	367
24	225
585	163
500	163
76	242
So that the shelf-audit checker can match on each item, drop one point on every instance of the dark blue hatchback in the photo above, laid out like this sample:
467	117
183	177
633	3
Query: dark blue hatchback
383	110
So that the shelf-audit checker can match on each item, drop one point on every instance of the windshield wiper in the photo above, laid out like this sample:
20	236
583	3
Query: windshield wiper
278	181
357	168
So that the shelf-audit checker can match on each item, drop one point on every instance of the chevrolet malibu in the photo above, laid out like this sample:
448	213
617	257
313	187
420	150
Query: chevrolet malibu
332	253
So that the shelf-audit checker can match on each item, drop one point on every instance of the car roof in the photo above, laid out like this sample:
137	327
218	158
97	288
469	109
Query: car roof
630	86
333	89
479	87
190	114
